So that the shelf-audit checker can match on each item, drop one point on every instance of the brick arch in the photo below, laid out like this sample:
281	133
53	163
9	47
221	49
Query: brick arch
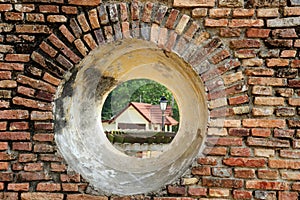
166	27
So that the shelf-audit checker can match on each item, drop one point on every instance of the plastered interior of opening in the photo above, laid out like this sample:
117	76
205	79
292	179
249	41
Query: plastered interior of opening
81	139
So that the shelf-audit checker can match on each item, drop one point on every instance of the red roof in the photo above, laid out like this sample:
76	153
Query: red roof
151	113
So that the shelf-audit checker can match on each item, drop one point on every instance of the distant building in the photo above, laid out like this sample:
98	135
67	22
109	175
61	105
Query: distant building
140	116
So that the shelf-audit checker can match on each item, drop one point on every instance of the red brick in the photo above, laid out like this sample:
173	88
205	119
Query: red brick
290	154
266	185
2	188
288	195
239	132
58	167
11	66
5	75
291	11
239	44
6	176
229	32
3	145
35	17
27	158
17	57
244	173
207	161
216	151
288	54
43	126
32	103
221	172
70	178
267	81
50	158
216	192
24	7
5	7
275	62
7	156
245	162
69	9
218	57
56	18
257	33
189	3
63	47
240	23
14	16
243	152
22	146
279	42
197	191
18	126
32	167
267	142
239	12
63	29
15	136
269	101
294	123
267	12
43	137
70	187
284	33
8	84
290	175
135	11
43	148
216	22
9	195
224	183
258	132
85	197
264	123
42	195
176	190
202	171
284	164
82	48
37	84
18	187
225	141
49	9
295	83
199	12
3	126
242	194
219	12
4	166
40	116
33	176
48	187
267	174
27	28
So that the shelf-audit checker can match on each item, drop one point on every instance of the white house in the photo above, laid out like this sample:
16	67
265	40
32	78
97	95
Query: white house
140	116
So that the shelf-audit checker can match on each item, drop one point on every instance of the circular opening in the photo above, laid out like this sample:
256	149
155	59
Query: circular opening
135	120
80	136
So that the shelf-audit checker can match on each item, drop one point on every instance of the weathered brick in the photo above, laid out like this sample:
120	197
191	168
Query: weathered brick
241	23
267	174
224	183
27	158
279	42
216	22
225	141
8	84
284	92
267	12
177	190
43	137
32	103
201	170
18	187
291	11
215	151
284	164
245	162
32	167
48	187
290	154
85	2
240	12
251	141
288	54
14	114
242	152
242	194
56	18
50	158
285	111
58	167
85	197
197	191
294	123
5	7
219	12
33	176
70	187
264	152
42	195
295	83
263	111
216	192
269	101
43	148
288	195
229	32
275	62
70	178
37	84
69	9
68	35
266	185
15	136
284	33
81	47
27	28
207	161
239	44
267	81
4	166
244	173
22	146
190	3
14	16
199	12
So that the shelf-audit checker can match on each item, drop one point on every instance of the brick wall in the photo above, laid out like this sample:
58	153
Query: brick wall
248	47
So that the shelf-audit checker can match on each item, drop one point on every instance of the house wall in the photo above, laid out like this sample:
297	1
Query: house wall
131	115
251	72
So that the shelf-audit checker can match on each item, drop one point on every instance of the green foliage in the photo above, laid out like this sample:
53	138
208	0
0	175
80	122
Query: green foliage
137	90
